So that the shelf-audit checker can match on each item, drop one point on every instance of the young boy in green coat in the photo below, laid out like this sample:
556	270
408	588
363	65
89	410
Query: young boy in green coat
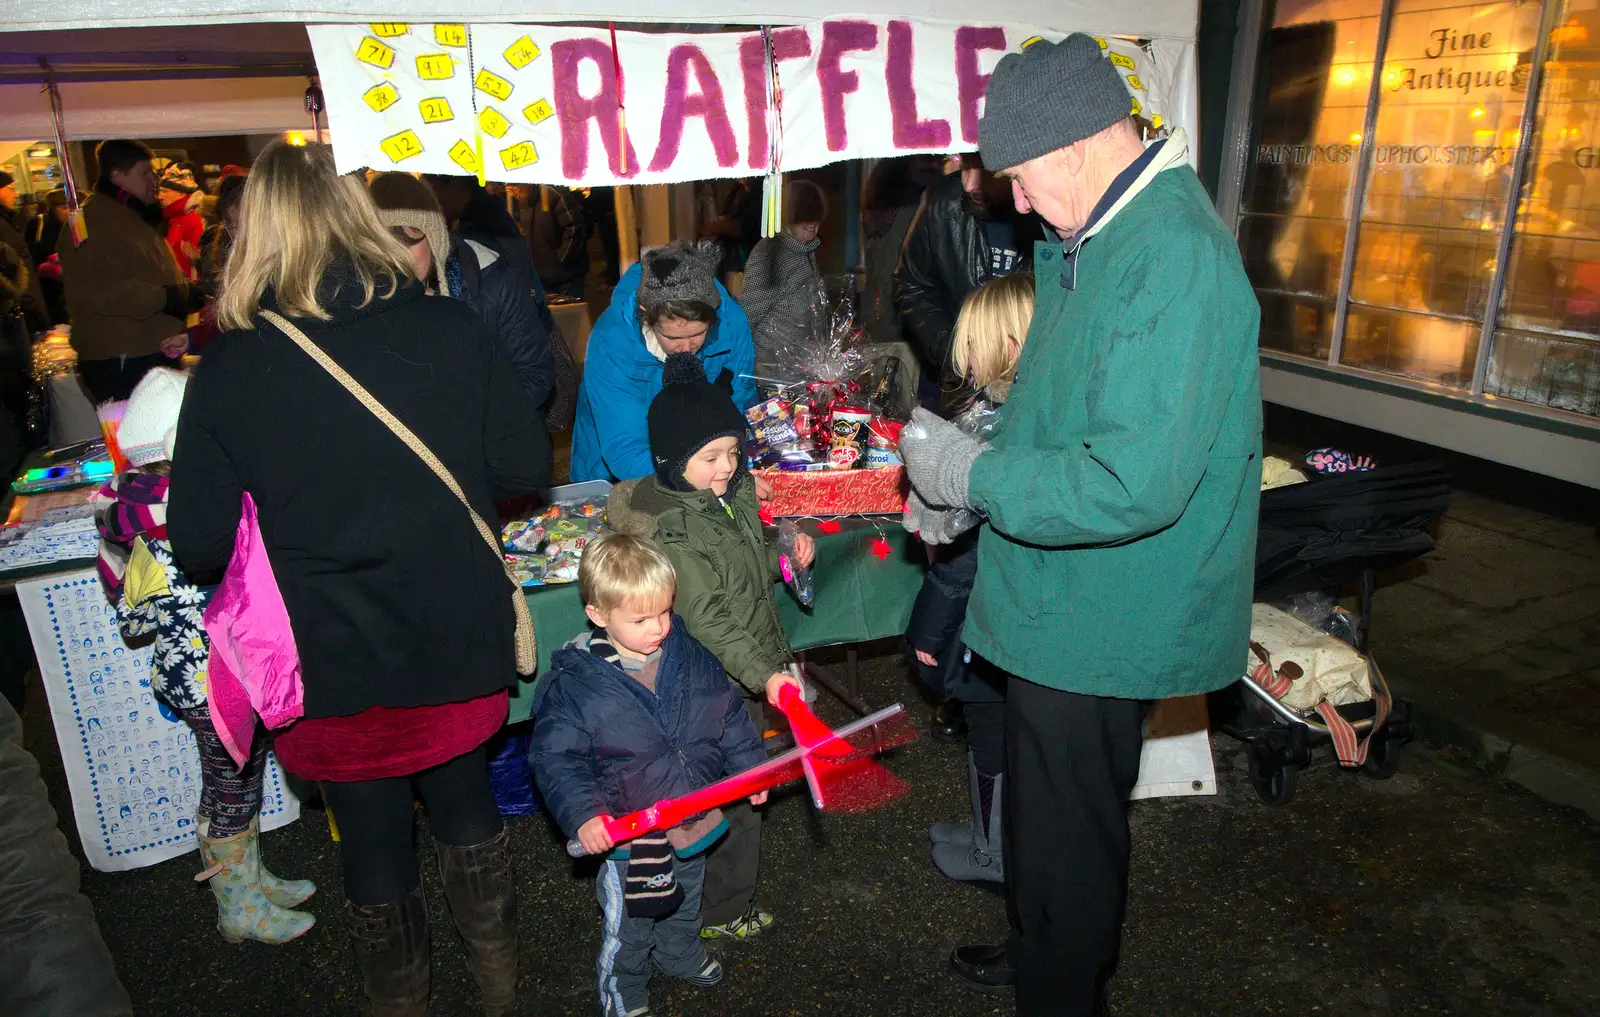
700	507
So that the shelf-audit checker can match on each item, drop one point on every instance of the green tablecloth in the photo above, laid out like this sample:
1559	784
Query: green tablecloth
858	597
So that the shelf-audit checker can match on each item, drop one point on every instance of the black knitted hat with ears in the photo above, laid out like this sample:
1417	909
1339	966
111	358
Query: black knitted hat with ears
688	414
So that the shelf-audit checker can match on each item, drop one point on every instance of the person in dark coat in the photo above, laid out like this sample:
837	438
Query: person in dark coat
477	215
33	304
968	233
472	272
401	614
558	237
42	237
54	958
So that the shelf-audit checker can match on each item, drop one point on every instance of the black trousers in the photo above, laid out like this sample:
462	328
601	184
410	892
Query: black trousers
376	822
116	378
733	865
1072	760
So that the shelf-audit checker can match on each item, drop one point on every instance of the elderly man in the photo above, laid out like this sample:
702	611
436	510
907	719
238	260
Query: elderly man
1120	494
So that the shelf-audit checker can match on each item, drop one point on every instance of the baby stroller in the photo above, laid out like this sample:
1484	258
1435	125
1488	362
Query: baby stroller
1317	538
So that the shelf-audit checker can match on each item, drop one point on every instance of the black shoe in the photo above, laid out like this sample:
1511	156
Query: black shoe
949	721
985	968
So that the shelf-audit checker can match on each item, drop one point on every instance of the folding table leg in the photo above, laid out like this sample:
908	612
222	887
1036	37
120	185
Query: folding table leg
848	692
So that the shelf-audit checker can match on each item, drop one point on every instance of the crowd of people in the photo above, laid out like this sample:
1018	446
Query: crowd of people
386	366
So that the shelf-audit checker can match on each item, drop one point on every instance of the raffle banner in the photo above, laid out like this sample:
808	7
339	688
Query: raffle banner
585	107
132	767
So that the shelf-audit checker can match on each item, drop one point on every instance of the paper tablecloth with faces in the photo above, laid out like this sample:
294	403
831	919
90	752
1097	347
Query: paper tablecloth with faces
132	766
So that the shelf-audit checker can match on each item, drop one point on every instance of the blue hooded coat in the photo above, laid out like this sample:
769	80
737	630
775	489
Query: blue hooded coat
603	744
620	377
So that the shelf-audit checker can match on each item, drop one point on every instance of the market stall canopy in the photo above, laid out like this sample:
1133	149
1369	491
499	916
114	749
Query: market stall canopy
1165	19
157	82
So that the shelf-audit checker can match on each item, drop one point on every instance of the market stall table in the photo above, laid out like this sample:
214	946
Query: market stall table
860	597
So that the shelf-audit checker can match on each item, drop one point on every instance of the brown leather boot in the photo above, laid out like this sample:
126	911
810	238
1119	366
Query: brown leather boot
391	944
483	901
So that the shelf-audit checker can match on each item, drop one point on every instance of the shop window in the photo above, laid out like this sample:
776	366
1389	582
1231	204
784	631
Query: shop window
1560	373
1547	348
1453	86
1316	71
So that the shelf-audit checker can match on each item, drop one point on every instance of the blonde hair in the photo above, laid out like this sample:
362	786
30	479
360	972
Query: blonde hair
994	316
619	569
298	216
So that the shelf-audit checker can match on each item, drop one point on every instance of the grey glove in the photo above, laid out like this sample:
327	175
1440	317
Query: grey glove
936	526
938	457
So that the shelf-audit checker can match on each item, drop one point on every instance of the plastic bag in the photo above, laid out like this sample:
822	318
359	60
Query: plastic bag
978	420
509	776
1322	612
796	575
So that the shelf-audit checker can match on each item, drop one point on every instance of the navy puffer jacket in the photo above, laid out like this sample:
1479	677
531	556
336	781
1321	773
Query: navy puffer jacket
603	744
489	283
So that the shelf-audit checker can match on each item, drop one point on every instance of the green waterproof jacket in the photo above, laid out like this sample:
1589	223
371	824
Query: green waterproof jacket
726	570
1123	486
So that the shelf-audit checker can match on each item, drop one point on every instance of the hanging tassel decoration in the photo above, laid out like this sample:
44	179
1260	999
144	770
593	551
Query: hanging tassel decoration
772	185
315	106
76	227
477	125
622	107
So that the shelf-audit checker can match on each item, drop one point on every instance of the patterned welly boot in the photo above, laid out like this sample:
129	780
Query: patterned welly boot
233	868
286	893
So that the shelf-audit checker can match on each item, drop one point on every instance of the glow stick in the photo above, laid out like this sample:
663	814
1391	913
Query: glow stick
839	756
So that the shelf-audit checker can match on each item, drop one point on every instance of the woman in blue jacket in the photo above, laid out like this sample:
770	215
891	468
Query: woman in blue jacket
670	302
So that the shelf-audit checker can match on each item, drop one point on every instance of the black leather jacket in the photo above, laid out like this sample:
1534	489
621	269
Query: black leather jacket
946	258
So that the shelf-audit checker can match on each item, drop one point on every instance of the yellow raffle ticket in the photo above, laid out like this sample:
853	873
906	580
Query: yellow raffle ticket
389	30
435	66
1121	60
521	53
464	155
450	35
402	146
494	84
493	122
373	52
436	110
539	112
519	155
1134	82
381	97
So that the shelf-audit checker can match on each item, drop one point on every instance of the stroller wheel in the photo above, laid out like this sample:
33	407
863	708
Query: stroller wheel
1272	778
1383	755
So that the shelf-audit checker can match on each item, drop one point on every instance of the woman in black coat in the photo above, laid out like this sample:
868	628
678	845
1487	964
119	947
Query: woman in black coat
400	611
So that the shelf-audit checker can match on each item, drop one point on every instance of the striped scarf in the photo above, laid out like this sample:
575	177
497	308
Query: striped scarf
132	505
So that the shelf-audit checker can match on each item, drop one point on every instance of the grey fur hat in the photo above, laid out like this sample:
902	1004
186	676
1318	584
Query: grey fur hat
680	271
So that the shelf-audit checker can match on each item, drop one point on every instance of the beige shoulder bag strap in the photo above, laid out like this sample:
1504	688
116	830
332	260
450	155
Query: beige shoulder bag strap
526	651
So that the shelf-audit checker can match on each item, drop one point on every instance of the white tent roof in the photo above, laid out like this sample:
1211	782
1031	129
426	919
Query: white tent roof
1167	19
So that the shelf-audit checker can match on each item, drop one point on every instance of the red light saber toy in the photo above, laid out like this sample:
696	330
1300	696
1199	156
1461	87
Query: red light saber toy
837	764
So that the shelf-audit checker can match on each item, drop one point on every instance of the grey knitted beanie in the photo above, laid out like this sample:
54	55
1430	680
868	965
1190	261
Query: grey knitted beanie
680	271
1047	97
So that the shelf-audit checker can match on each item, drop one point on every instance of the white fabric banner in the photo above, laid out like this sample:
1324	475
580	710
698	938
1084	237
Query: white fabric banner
132	767
543	103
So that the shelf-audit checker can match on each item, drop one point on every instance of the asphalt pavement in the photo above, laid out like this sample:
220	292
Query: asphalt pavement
1445	890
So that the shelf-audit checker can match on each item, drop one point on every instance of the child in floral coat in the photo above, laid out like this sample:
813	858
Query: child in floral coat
154	597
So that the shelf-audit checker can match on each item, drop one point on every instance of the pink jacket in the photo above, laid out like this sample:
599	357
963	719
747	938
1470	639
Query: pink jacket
255	667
